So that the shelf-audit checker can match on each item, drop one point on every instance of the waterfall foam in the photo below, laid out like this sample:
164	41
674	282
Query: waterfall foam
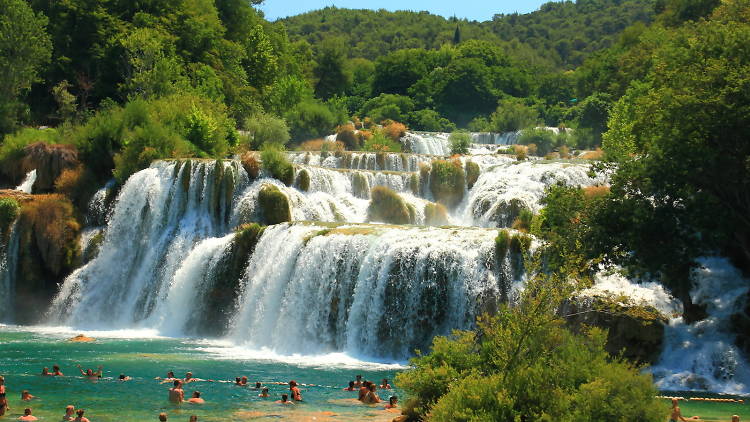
28	182
703	356
8	266
427	143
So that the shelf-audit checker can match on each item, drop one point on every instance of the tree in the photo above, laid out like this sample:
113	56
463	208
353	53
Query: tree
460	142
512	115
266	129
330	70
152	69
261	63
24	48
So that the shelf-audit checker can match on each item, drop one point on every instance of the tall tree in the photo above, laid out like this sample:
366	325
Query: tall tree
330	69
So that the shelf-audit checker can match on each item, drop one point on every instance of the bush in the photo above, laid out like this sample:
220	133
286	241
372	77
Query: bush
78	184
276	163
512	115
386	206
430	121
321	145
545	140
447	181
502	244
12	150
435	214
460	142
309	120
9	209
251	164
381	143
49	221
520	152
304	180
274	205
388	107
472	173
523	221
348	137
360	185
264	128
395	131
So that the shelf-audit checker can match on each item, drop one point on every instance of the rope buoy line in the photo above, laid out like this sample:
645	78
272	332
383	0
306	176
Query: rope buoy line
708	399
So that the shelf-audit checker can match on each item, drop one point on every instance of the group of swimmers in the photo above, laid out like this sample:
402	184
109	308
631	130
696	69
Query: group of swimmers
176	394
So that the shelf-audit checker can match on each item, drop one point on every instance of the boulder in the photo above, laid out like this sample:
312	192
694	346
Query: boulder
49	161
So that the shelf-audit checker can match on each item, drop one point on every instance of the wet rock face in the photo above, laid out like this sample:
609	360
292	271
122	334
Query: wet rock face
741	326
637	331
49	161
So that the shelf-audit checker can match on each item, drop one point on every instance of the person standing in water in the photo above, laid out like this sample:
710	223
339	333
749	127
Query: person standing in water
196	399
358	382
372	396
176	394
392	403
27	416
676	415
264	393
56	371
162	417
45	372
26	396
80	417
3	400
296	395
350	387
385	385
284	400
70	412
193	418
90	374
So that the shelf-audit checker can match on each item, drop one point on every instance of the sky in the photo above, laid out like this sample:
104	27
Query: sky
480	10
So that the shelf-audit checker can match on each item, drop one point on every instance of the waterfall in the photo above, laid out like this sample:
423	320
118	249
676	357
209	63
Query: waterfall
367	290
703	356
160	214
389	161
428	143
8	265
28	182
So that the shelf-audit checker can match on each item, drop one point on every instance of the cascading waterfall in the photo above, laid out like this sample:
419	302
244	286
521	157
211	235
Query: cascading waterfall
361	160
8	266
28	182
427	143
161	213
703	356
366	290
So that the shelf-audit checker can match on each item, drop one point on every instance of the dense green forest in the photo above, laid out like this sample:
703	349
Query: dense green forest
660	89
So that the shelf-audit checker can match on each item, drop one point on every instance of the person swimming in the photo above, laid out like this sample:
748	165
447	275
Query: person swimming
372	396
350	387
80	417
26	396
56	371
162	417
27	416
70	412
363	390
3	399
176	393
264	392
257	386
358	382
284	400
196	399
384	385
296	395
243	381
193	418
169	378
90	374
189	378
392	403
46	372
124	377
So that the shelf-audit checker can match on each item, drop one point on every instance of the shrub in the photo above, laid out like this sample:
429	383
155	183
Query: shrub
274	205
276	164
523	221
310	119
265	128
512	115
472	173
435	214
564	152
387	107
447	181
593	192
251	164
460	142
12	150
9	209
304	180
381	143
348	137
321	145
520	243
78	184
545	140
597	154
49	221
414	184
395	131
430	121
387	206
520	152
502	244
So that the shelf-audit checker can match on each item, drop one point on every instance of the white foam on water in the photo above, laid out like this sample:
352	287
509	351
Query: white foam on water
28	182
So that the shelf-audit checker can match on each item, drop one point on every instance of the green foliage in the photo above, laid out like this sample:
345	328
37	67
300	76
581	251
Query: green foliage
430	121
24	48
435	214
9	210
523	364
510	116
460	142
544	139
330	70
387	107
386	206
447	182
381	143
311	119
502	244
153	66
266	129
274	205
11	149
286	93
277	164
472	173
304	180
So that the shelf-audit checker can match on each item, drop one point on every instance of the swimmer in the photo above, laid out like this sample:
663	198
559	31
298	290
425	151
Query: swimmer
735	418
162	417
3	400
27	416
296	395
193	418
45	372
363	390
80	417
257	386
350	387
26	396
264	393
189	378
176	393
392	403
676	415
372	396
358	382
90	374
238	381
243	381
284	400
70	412
385	385
56	371
196	399
169	378
124	377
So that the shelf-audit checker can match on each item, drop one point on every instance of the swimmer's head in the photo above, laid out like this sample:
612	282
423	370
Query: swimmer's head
265	390
80	413
163	417
196	394
177	383
170	374
257	385
359	377
189	375
292	383
351	384
193	418
55	368
27	411
393	400
284	397
69	408
122	376
735	418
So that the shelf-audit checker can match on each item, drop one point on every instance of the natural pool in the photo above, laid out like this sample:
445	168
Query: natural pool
143	356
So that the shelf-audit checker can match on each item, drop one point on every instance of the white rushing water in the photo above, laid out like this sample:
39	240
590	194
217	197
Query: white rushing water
427	143
364	290
8	266
28	182
703	356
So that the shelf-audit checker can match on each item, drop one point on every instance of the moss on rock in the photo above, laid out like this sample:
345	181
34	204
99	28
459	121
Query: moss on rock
435	214
274	205
303	180
360	185
387	206
472	173
447	181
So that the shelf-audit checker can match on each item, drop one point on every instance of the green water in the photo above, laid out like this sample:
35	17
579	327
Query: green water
23	354
711	411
